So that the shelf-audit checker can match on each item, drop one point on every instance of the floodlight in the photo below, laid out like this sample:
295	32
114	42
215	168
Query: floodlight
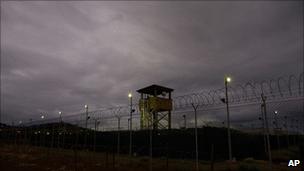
228	79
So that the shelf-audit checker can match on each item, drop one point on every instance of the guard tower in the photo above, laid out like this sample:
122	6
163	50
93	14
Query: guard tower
155	107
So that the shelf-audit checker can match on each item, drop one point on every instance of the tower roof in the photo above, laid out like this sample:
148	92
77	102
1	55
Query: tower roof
155	90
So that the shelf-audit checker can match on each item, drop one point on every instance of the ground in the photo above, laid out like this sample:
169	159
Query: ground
30	158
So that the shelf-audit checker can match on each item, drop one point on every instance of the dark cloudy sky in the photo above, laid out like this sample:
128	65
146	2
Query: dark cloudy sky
58	56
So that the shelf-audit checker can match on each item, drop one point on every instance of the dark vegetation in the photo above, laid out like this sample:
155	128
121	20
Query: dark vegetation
175	143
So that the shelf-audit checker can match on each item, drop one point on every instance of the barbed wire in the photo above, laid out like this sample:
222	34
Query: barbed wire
282	89
249	92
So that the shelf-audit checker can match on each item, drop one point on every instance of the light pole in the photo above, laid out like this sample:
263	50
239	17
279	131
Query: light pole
60	127
118	135
263	124
277	128
129	124
30	125
292	130
60	116
185	122
196	143
151	145
131	111
41	134
267	129
20	130
96	129
287	132
228	80
52	143
86	124
86	117
297	131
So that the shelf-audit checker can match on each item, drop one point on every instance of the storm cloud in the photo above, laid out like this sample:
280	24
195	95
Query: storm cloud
58	56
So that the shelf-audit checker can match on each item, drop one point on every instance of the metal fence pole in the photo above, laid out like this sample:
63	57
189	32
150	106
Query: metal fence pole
151	146
131	111
196	143
267	129
228	119
118	138
264	131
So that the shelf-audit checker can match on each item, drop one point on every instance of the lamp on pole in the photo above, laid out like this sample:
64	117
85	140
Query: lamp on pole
267	129
60	115
40	135
277	127
86	124
196	143
131	111
60	128
228	80
118	135
86	117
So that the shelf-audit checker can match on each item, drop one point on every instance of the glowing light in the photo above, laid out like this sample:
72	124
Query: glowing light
228	79
129	95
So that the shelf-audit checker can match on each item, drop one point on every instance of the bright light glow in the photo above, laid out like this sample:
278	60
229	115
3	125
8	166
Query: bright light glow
276	112
129	95
86	106
42	117
59	113
228	79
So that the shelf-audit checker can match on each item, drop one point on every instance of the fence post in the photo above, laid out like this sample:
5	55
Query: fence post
267	129
196	143
212	158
